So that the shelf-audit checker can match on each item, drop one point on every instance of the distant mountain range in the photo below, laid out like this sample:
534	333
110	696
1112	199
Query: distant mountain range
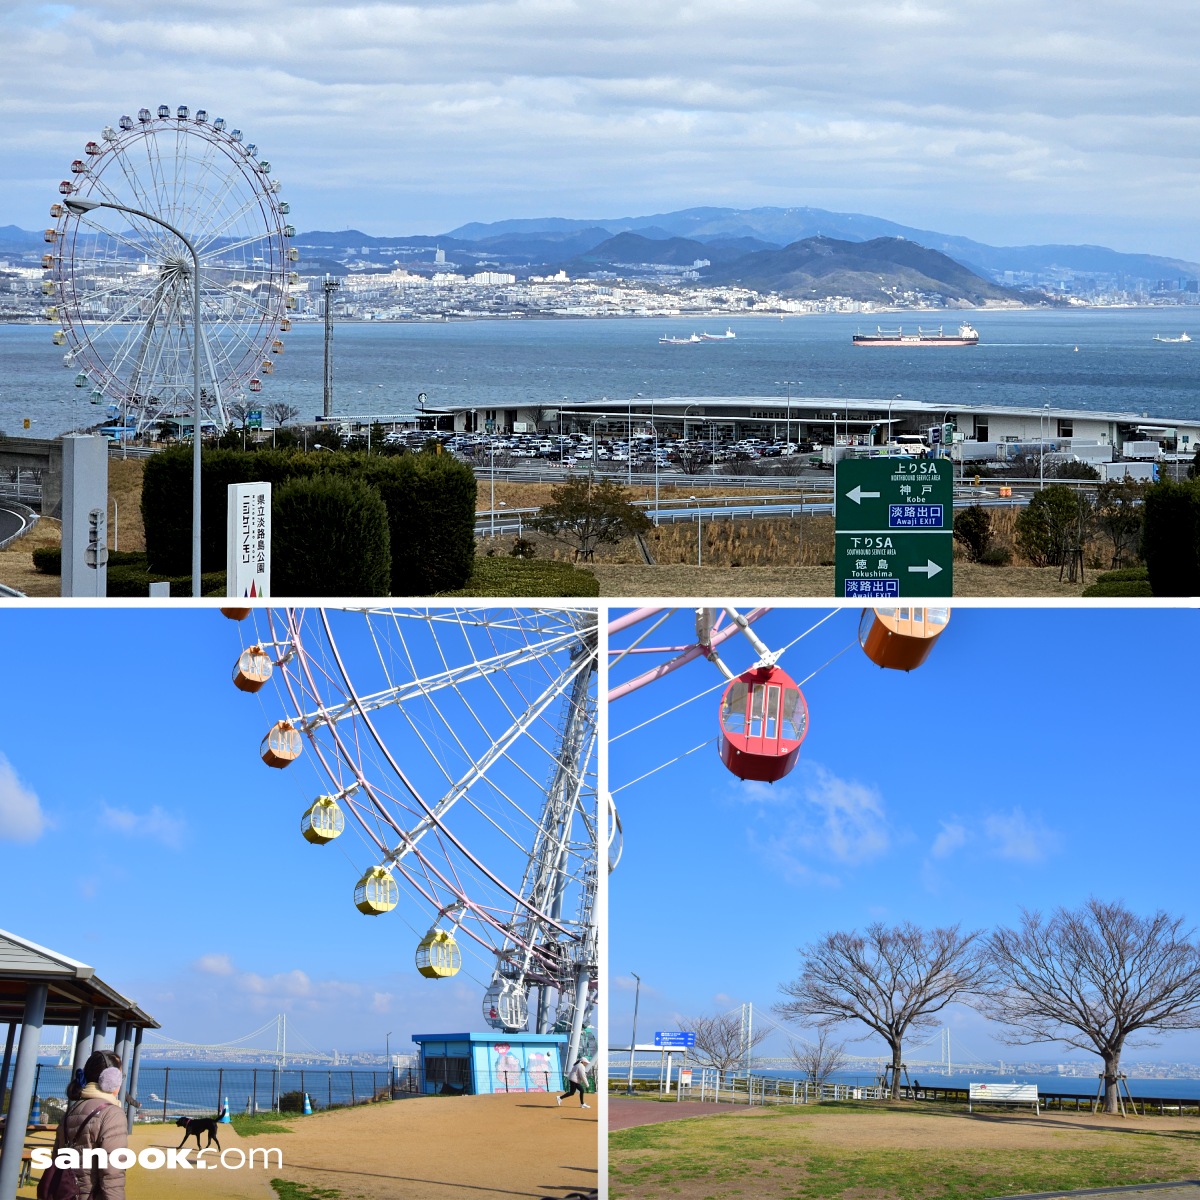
794	251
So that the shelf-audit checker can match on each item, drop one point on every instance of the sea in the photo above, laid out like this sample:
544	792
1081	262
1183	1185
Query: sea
1082	358
1048	1083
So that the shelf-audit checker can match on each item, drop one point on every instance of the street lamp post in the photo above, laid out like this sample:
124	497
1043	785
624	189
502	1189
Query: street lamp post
78	205
789	383
633	1038
892	401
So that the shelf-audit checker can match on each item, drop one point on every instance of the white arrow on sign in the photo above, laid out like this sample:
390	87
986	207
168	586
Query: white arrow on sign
929	570
858	495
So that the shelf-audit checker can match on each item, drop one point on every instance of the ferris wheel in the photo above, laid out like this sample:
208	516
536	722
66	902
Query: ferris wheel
120	287
458	746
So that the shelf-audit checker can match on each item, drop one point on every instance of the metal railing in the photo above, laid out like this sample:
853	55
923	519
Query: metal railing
166	1093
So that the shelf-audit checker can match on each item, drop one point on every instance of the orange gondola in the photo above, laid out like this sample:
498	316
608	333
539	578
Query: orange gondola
901	638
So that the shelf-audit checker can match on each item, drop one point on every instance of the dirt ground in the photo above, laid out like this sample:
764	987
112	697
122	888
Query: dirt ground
1018	1129
430	1148
884	1155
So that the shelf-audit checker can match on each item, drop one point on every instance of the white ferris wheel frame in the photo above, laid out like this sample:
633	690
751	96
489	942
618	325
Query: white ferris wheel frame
120	286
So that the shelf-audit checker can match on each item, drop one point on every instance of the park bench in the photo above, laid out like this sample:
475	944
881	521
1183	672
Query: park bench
1003	1093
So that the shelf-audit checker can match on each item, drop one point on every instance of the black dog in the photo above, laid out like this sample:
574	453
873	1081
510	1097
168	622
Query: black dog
195	1126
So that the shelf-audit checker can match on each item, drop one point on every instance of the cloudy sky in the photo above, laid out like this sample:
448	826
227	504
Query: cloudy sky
1004	773
1013	123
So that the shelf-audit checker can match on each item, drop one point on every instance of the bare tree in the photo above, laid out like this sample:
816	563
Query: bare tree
820	1059
281	412
720	1040
891	979
1092	977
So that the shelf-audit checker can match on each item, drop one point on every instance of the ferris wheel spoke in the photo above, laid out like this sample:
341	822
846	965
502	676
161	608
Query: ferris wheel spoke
215	231
398	694
409	787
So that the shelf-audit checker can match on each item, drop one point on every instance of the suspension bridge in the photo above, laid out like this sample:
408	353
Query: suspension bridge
268	1043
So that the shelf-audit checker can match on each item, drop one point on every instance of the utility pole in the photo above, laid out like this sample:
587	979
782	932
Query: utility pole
331	286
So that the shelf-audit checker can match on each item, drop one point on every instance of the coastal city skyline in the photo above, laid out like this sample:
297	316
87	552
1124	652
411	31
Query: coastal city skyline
1027	125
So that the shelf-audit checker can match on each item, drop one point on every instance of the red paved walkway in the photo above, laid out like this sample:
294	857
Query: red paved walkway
624	1111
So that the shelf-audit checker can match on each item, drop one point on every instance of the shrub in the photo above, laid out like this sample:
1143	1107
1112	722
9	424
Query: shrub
48	560
330	539
1120	587
505	576
430	503
1050	524
973	528
291	1102
996	556
1171	538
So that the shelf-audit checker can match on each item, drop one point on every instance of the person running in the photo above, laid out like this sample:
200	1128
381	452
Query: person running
577	1082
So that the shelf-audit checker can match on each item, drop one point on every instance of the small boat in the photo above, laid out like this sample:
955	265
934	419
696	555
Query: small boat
1183	337
727	336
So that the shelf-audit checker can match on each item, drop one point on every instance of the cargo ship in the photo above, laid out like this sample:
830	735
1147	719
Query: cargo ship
966	336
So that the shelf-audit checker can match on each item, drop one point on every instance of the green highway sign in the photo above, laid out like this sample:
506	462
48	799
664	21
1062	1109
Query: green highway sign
894	528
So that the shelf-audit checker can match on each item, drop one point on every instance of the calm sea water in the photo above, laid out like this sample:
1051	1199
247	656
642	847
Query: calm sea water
1024	358
1077	1085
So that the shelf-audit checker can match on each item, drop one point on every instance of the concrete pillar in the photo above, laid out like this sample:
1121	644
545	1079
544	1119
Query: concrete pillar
84	515
83	1039
22	1088
100	1031
122	1045
131	1077
8	1048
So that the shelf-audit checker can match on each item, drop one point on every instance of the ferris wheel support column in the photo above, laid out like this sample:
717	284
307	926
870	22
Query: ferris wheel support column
583	982
79	205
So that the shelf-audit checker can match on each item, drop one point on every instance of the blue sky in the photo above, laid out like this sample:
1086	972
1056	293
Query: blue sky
141	833
1015	123
1039	756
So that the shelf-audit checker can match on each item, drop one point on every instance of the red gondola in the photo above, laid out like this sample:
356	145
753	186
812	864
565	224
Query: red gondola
764	718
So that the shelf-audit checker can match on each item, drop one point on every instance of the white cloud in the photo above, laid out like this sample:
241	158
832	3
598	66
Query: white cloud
214	964
1019	838
952	837
157	824
21	816
1065	121
821	821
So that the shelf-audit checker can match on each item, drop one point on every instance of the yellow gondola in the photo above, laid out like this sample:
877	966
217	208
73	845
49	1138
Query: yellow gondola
438	956
252	669
376	892
323	820
282	745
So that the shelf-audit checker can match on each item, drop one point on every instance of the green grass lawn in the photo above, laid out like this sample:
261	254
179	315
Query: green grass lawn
781	1153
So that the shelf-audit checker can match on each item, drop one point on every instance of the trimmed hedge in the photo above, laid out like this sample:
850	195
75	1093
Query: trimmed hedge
430	500
1171	538
527	577
331	539
1128	581
48	560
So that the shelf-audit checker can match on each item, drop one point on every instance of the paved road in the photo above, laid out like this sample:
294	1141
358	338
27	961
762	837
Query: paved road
11	522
